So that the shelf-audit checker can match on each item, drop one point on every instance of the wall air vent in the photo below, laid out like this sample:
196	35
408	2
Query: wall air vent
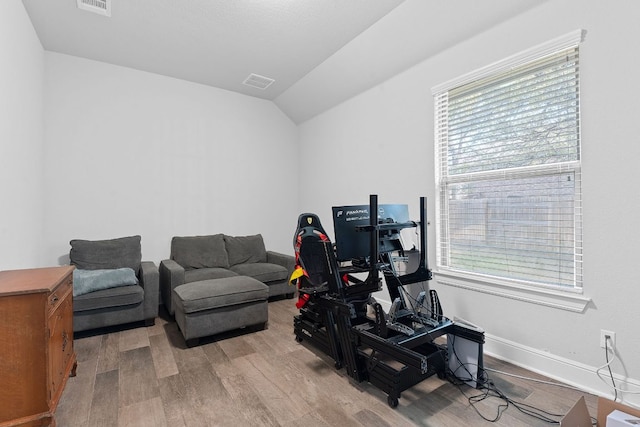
260	82
101	7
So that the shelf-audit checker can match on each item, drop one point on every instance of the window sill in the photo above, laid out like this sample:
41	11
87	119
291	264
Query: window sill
569	300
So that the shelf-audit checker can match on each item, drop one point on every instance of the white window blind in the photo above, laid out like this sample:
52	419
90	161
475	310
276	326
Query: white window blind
508	169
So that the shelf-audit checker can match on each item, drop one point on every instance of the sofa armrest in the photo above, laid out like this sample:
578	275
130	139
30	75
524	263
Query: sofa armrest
287	261
171	276
149	280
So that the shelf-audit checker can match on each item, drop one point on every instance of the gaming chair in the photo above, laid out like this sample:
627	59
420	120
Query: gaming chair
310	271
317	270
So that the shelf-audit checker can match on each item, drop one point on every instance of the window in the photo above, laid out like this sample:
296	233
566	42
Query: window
508	169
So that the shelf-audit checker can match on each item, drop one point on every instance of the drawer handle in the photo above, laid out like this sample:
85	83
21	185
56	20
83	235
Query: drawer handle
54	299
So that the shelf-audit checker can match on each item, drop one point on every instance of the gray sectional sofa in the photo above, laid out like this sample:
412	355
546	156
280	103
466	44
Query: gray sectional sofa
218	283
198	258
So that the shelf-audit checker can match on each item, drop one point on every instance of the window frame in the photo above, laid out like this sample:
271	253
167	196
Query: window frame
563	297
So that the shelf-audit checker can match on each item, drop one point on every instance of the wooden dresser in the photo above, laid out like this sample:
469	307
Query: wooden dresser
36	344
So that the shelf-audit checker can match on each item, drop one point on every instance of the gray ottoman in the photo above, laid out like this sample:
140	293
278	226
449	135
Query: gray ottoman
213	306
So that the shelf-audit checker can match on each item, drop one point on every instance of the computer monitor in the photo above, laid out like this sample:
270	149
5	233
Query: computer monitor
352	244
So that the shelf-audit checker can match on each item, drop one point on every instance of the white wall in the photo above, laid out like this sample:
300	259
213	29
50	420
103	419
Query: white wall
21	138
382	142
129	152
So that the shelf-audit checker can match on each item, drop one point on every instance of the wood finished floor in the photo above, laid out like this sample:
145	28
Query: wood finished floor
147	377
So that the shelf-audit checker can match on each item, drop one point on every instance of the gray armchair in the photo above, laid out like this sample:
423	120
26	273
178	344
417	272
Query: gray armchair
101	298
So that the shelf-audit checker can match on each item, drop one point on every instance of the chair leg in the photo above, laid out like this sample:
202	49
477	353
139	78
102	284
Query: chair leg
192	342
150	322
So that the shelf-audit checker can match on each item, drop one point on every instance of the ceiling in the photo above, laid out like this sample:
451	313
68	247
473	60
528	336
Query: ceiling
318	52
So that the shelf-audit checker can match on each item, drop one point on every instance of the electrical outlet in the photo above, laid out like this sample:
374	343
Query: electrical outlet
603	340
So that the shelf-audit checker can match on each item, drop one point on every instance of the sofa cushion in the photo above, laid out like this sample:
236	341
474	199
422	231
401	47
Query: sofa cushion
199	251
106	254
85	281
245	249
108	298
198	274
216	293
262	271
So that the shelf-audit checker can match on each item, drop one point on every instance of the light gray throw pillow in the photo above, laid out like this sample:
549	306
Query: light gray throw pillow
85	281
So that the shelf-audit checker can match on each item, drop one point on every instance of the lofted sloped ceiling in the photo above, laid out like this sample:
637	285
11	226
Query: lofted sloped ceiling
318	52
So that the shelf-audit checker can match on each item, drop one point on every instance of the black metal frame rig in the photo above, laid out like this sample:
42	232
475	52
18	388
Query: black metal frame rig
391	352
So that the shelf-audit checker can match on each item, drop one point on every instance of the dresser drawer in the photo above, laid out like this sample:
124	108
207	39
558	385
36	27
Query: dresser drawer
60	292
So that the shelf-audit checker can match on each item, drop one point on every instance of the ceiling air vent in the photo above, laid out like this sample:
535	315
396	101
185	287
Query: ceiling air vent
101	7
260	82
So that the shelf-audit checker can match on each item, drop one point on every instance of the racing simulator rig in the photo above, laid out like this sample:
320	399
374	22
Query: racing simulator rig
392	350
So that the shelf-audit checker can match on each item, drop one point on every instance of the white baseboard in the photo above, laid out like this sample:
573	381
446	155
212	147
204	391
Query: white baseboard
564	370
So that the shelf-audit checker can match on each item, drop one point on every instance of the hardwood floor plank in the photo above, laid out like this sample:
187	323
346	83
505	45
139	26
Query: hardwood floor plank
183	408
312	419
203	386
215	354
138	382
133	338
370	418
163	360
285	407
226	413
178	409
172	388
75	402
328	384
220	362
515	389
253	409
105	400
236	347
263	343
109	355
87	348
174	414
187	357
391	417
302	383
158	327
334	415
146	413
